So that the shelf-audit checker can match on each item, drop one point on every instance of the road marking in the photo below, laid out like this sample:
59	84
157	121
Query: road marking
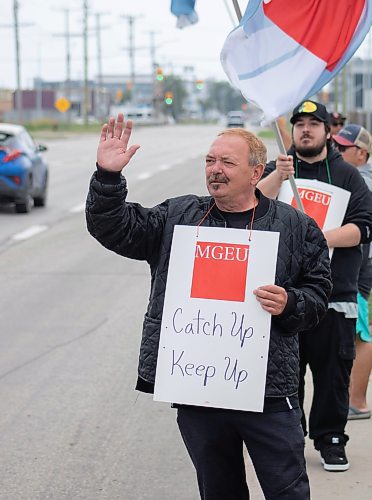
77	209
165	166
28	233
144	176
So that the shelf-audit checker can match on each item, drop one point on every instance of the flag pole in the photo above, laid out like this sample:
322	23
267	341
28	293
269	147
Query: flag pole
237	9
278	135
282	150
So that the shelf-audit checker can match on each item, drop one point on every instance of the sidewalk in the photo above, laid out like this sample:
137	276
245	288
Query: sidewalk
354	484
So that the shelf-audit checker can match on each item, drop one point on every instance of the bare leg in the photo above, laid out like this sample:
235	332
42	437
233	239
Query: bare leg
360	375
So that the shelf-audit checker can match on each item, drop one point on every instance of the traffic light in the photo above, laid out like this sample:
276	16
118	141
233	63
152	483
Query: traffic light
159	75
168	98
119	94
199	84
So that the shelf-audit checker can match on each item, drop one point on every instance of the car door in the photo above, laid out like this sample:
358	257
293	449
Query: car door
34	155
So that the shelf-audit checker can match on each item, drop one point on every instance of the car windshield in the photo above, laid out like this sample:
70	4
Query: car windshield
6	140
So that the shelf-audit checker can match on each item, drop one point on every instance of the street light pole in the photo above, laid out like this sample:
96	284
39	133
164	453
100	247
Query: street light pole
18	96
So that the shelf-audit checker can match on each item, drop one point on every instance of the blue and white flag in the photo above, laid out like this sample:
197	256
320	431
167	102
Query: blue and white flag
284	51
185	12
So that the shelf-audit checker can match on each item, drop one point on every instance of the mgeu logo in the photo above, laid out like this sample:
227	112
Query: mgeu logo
316	204
220	271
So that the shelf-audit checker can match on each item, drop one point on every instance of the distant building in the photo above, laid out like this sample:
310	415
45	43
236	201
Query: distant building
353	87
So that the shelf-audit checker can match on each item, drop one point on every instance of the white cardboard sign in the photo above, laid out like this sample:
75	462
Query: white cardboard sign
325	203
214	334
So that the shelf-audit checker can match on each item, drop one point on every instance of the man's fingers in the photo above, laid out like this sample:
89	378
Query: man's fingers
132	150
103	133
118	128
127	132
272	298
110	127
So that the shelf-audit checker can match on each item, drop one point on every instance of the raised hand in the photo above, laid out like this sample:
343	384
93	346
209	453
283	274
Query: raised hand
113	153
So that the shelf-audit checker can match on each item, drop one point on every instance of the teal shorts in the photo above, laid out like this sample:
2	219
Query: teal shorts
362	324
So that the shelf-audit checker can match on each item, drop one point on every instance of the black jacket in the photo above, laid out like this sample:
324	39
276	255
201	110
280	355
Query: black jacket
146	234
345	262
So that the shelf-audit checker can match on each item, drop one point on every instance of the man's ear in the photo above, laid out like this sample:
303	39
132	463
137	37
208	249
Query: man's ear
258	170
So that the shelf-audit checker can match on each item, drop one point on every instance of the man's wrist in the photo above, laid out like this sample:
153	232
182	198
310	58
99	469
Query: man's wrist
279	176
107	176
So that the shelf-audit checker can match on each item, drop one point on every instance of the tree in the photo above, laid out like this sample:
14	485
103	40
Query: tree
223	97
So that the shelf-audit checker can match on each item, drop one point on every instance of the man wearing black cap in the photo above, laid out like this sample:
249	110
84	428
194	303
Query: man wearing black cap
337	122
329	349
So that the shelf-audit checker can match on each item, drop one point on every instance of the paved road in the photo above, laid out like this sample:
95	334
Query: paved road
71	425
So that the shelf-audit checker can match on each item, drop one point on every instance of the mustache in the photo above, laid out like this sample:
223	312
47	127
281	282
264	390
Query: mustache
217	178
305	135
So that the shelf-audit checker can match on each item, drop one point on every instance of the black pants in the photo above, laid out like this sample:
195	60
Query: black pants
329	351
275	442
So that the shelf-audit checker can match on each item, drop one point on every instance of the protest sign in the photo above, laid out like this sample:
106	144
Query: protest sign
215	335
324	202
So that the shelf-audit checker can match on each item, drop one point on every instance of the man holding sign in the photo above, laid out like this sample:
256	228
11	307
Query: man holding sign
328	348
297	301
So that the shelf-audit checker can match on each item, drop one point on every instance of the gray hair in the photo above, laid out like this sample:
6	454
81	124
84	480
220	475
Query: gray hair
257	149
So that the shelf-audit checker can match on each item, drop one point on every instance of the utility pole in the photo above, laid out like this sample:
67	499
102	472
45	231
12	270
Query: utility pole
16	26
131	50
157	86
67	35
18	63
335	93
344	89
86	103
100	89
39	89
367	87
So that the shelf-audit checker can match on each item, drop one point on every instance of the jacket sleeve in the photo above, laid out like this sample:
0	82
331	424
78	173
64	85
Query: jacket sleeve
127	229
308	295
359	210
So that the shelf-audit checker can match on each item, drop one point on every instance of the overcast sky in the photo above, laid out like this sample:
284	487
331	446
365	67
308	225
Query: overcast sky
43	53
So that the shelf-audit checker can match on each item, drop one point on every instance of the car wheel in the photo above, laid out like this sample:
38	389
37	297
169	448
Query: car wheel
40	201
25	206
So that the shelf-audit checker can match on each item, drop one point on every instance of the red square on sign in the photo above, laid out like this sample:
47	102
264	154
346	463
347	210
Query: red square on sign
316	204
220	271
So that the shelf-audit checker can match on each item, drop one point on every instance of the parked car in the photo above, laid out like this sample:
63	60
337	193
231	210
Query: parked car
235	119
23	170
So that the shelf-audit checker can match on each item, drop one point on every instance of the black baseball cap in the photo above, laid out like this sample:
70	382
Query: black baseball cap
308	107
337	118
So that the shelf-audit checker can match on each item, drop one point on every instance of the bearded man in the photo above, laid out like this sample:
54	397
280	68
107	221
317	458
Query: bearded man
329	348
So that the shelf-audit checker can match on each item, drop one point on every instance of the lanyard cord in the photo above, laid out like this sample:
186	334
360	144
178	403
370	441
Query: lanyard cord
328	172
203	219
327	166
210	209
251	226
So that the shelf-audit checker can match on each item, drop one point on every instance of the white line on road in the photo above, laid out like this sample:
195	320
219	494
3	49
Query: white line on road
144	176
28	233
78	208
165	166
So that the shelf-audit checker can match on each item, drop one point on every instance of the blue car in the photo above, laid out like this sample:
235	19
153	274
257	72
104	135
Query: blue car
23	170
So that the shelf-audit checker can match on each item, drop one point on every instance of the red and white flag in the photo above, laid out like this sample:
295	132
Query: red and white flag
284	51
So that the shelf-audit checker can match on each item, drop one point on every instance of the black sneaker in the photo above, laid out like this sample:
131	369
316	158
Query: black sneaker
333	455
